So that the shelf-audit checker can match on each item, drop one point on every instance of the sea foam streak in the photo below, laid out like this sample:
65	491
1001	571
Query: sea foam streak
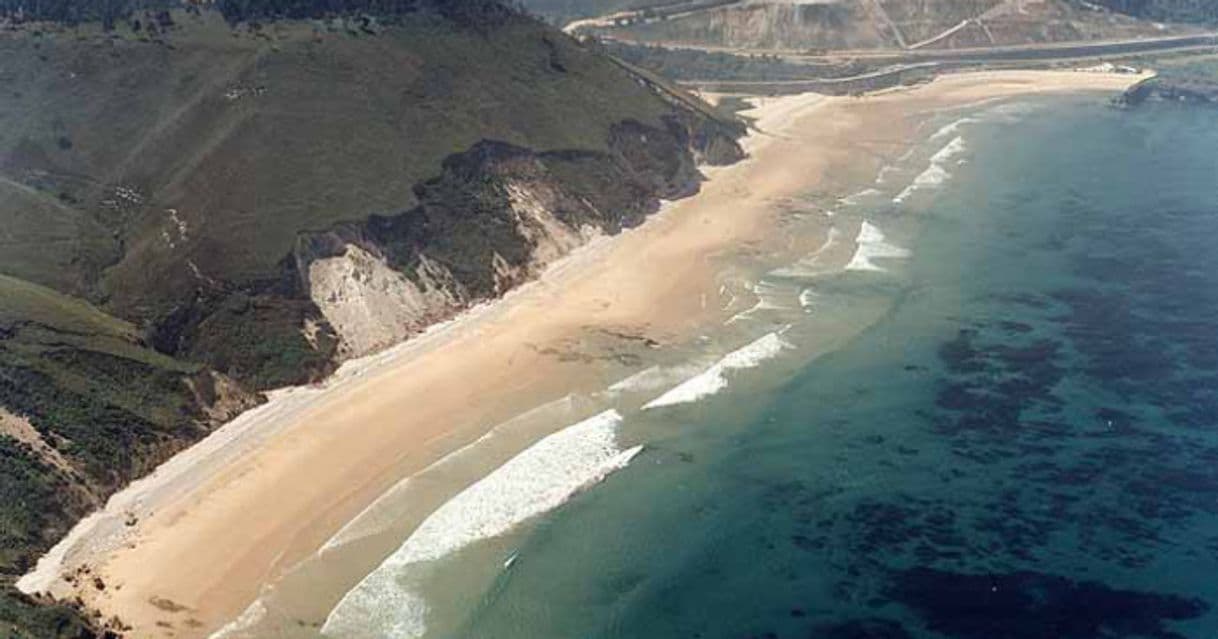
951	129
537	480
381	514
770	296
807	299
936	173
253	614
651	379
872	245
855	199
714	379
812	264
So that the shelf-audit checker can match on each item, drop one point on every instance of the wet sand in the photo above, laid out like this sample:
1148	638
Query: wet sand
234	513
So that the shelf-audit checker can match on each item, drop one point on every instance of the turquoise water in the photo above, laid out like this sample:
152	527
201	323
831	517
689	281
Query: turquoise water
1024	446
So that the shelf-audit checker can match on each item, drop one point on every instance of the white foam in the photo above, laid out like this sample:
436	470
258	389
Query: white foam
884	172
106	530
933	176
382	609
953	148
871	245
1011	112
714	379
952	129
253	614
807	299
770	296
854	199
936	173
651	379
385	604
381	514
812	264
642	380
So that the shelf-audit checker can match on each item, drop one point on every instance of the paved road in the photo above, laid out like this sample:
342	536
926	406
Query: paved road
893	63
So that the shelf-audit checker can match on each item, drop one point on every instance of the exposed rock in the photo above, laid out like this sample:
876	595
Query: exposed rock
220	397
1169	89
372	306
536	223
20	429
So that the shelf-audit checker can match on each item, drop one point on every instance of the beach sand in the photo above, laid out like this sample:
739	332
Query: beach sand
230	515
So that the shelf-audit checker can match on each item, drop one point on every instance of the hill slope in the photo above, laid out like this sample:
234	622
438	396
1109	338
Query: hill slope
196	206
897	24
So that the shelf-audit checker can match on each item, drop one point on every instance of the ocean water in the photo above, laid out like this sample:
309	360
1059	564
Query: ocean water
1014	435
1024	445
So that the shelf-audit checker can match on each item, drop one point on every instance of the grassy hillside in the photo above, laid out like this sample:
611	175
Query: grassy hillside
1201	11
179	169
891	24
167	177
101	408
560	12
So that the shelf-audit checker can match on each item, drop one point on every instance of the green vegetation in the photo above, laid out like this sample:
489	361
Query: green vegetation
26	484
1166	10
1200	68
26	302
109	13
1189	78
167	175
695	64
222	146
22	618
109	406
560	12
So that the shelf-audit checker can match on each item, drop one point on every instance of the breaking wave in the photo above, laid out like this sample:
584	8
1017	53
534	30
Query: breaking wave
385	604
937	172
813	264
252	615
951	129
856	198
1012	112
650	379
807	299
714	379
882	178
770	296
381	514
871	245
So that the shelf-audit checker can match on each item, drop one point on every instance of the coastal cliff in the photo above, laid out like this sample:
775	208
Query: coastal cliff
202	204
1171	89
495	218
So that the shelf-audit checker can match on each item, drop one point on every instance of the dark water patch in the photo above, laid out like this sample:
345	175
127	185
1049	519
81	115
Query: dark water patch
1034	605
872	628
959	355
1041	416
1016	327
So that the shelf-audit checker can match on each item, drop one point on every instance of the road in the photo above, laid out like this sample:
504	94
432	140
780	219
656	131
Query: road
890	65
647	14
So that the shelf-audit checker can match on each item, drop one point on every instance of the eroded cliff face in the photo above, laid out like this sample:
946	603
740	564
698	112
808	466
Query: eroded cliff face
372	306
214	208
495	218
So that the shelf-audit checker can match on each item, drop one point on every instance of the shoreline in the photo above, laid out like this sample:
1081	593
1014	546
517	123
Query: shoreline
195	558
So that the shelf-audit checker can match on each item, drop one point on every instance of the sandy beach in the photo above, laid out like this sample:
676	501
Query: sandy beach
189	548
